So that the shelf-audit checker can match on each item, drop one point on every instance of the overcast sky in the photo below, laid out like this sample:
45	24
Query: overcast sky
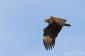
21	27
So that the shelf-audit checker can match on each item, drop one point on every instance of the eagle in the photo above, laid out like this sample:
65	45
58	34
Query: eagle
51	32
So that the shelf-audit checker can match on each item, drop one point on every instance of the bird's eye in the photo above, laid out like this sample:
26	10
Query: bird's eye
53	20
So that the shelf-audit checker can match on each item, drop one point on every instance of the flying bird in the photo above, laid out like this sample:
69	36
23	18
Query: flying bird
52	30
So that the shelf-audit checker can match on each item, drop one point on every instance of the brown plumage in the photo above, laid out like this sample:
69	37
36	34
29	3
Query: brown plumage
52	30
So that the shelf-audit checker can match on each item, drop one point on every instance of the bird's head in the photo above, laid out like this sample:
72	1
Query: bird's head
51	20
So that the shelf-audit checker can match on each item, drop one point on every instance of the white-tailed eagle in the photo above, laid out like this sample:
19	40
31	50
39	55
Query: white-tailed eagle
52	31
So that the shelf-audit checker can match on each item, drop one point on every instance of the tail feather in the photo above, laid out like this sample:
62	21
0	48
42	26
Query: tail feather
67	25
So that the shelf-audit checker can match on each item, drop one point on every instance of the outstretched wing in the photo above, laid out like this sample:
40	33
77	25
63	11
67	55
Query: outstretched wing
50	33
48	42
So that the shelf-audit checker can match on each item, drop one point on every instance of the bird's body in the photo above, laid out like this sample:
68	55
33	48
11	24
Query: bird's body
51	31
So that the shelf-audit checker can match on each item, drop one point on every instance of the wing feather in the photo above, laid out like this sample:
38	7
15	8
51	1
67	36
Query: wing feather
50	34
